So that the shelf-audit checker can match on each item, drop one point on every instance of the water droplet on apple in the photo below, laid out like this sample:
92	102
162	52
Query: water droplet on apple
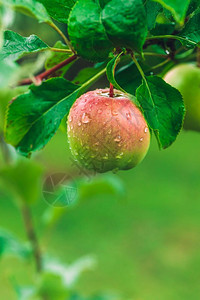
70	119
117	139
146	129
79	124
128	116
85	118
141	139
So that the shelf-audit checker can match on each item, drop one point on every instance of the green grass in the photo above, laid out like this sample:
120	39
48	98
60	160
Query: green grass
147	244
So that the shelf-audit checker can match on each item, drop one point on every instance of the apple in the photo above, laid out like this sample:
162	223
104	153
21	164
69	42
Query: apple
107	133
186	78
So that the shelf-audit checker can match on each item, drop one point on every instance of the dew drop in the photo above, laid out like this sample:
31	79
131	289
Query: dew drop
151	73
71	126
141	139
117	139
70	119
79	124
146	129
85	118
128	116
167	51
114	113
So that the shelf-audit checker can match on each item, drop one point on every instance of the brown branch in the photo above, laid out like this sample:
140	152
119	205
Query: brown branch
47	73
26	214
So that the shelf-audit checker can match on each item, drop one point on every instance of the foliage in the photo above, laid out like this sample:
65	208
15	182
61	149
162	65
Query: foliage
133	42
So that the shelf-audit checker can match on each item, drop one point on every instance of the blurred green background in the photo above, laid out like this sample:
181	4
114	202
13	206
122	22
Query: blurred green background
147	243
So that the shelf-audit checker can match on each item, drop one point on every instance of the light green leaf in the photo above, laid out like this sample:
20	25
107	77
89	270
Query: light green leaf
86	31
10	245
25	292
163	109
125	23
59	9
178	8
32	8
16	46
23	179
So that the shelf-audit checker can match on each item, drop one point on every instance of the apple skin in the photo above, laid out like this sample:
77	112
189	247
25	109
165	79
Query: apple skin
186	78
107	133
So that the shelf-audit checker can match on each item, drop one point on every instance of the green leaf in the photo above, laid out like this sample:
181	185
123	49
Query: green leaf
162	29
59	9
57	57
125	23
87	33
51	287
7	72
6	19
32	8
24	180
25	292
194	4
163	109
191	31
10	245
178	8
111	71
16	46
86	73
69	274
34	117
152	11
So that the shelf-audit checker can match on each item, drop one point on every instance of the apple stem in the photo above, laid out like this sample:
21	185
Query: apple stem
38	79
111	94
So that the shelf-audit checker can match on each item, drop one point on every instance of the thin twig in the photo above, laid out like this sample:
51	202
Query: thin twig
31	234
47	73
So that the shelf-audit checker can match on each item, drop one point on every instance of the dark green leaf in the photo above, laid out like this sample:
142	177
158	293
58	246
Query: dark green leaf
34	117
163	109
194	4
111	71
163	29
86	31
178	8
10	245
32	8
24	180
59	9
15	45
152	10
191	31
57	57
125	23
